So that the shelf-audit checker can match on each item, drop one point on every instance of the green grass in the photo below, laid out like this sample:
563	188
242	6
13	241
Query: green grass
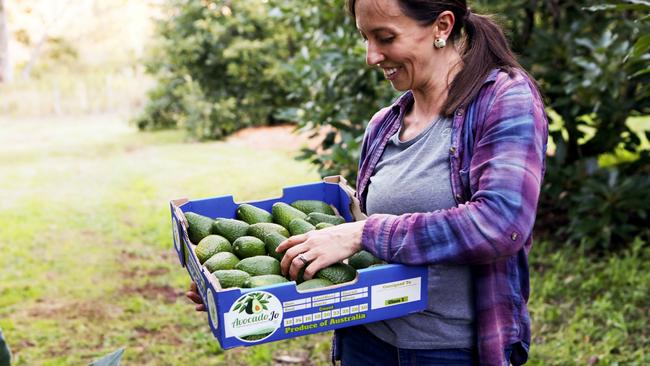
585	308
87	260
88	265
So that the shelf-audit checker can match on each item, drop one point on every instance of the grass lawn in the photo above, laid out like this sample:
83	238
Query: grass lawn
87	260
88	265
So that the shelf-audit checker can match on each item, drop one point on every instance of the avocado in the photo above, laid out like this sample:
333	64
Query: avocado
230	229
260	230
252	214
221	260
300	226
211	245
323	225
199	226
248	246
257	306
314	283
249	306
337	273
363	259
231	277
301	273
317	217
309	206
264	280
271	242
283	214
259	265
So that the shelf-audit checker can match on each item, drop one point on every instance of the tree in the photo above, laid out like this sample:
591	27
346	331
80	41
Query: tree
5	61
220	67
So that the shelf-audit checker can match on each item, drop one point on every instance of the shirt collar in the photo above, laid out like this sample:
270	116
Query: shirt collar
404	100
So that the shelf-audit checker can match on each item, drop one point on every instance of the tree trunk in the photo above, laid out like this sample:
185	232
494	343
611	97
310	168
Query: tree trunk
5	64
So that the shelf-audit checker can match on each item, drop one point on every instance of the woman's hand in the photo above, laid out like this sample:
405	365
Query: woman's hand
193	294
320	248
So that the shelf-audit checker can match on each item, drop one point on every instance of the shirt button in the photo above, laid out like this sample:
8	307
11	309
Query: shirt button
459	197
514	235
452	150
459	112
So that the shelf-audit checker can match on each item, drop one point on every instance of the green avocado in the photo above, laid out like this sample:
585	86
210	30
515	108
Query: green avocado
259	265
231	277
315	218
271	242
199	226
337	273
248	246
252	214
230	229
284	213
323	225
313	284
309	206
363	259
211	245
260	230
264	280
300	226
221	260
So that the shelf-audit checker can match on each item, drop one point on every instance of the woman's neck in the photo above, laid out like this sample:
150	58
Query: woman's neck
430	98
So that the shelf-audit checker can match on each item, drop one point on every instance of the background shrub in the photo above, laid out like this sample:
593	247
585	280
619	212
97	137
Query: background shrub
226	65
220	67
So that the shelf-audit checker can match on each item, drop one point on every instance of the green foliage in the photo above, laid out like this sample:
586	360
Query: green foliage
303	61
580	56
219	66
591	65
339	91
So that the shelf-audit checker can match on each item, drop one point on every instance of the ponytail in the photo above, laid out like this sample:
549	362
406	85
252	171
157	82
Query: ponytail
485	48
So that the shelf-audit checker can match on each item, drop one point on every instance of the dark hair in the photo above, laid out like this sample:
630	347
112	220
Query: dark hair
485	46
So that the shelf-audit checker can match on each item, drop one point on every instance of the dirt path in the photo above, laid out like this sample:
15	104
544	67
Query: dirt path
272	137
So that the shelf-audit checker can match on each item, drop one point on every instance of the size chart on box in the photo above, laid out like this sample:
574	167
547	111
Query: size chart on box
325	314
324	300
325	306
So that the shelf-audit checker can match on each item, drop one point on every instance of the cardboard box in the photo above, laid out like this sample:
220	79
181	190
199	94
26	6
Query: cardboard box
377	293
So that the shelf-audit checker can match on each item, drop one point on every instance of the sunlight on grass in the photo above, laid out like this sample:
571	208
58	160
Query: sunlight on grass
87	257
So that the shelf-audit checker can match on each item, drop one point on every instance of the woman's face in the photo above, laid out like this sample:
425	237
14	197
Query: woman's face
400	46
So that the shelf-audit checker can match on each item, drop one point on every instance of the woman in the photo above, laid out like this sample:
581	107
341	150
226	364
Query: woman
449	176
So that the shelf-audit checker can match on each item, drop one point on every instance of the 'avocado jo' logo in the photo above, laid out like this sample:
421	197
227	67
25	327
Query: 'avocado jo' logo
254	316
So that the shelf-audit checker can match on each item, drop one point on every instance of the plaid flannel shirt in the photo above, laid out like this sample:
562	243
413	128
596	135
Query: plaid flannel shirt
497	160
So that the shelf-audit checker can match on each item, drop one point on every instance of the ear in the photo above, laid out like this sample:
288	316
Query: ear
444	25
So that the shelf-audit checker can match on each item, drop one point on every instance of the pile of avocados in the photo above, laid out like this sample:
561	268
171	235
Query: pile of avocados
241	252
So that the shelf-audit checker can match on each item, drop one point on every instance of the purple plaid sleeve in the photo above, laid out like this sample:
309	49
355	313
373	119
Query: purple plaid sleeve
497	159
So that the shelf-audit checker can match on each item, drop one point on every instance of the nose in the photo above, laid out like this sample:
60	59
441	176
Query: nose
373	55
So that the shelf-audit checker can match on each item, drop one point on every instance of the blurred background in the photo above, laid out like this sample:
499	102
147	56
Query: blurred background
110	108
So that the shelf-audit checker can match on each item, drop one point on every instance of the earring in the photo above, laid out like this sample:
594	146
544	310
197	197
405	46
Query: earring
439	43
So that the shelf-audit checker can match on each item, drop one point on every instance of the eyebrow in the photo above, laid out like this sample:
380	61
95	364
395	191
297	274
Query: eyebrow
380	29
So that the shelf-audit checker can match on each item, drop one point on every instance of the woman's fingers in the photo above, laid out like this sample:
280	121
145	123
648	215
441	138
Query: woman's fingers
291	242
315	266
193	294
290	255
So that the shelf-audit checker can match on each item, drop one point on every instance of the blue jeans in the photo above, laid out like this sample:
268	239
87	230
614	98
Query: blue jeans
5	355
360	347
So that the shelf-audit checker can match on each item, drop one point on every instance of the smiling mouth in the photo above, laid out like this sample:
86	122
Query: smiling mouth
390	72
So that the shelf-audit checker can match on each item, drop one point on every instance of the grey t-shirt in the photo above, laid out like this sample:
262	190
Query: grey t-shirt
415	176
